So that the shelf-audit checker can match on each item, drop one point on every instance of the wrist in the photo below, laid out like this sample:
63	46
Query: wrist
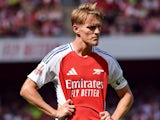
55	114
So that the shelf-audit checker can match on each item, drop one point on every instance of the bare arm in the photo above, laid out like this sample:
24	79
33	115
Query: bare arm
126	101
29	91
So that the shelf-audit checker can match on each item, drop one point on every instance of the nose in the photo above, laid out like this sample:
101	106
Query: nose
97	30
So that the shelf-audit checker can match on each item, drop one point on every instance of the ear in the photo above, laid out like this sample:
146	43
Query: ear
75	29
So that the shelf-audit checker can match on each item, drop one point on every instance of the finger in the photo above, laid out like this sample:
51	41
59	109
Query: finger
109	118
69	101
69	104
69	113
105	115
70	107
102	114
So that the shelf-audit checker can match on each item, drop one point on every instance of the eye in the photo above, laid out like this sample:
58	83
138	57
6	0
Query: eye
92	27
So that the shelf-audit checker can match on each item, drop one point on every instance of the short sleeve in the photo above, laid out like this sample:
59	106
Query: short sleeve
116	78
41	74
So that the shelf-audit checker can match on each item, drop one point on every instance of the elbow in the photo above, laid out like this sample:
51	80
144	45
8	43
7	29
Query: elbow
25	90
22	92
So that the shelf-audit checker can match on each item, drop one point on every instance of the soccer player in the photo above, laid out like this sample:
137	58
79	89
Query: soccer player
81	73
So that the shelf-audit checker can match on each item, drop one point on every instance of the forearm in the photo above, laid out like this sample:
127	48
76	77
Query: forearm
29	93
123	106
39	103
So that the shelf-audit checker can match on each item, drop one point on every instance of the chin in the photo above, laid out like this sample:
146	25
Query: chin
95	44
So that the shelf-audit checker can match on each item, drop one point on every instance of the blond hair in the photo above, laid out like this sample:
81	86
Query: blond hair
79	15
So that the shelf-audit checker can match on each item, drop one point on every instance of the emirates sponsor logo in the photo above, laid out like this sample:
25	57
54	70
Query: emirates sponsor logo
84	84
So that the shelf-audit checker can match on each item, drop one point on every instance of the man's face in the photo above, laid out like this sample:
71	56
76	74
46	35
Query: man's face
90	31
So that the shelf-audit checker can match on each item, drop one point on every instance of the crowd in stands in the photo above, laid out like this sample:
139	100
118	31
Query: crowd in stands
131	16
21	18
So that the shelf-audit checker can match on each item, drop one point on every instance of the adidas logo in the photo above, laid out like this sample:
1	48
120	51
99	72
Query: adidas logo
72	71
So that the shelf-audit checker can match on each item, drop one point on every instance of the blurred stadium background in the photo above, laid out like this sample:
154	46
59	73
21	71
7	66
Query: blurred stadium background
31	28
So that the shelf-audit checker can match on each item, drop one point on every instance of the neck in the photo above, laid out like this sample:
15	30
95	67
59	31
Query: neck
81	48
